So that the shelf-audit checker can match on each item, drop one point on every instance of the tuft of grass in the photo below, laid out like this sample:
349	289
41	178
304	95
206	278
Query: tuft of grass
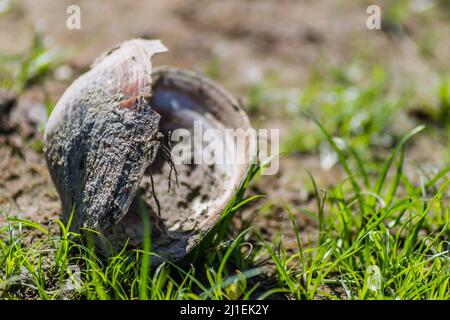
374	242
20	71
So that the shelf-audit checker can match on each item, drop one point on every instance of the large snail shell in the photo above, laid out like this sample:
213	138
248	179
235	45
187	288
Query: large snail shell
102	143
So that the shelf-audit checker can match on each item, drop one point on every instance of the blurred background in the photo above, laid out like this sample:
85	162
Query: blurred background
367	87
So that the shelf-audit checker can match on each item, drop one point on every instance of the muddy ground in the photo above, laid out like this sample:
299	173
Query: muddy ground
251	39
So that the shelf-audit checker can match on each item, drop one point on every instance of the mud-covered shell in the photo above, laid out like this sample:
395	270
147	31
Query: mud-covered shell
102	135
104	151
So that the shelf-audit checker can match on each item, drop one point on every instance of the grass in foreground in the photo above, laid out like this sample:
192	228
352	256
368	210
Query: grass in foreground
386	239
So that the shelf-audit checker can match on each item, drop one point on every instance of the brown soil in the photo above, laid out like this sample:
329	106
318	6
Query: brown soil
25	187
